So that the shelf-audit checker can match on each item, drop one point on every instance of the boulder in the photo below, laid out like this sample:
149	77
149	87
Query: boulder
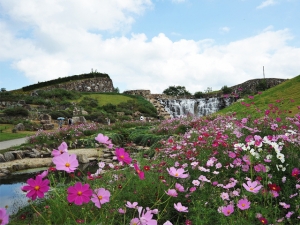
45	121
2	159
18	154
45	117
48	126
20	127
9	156
82	158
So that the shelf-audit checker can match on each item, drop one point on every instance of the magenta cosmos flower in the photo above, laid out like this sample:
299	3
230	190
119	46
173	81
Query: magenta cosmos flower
4	217
227	210
252	186
139	172
123	156
79	193
100	197
66	162
178	173
36	187
180	208
63	148
243	204
104	140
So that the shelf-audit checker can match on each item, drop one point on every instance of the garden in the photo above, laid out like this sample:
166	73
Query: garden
220	169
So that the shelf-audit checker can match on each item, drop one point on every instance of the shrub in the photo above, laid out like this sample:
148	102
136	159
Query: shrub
17	111
226	90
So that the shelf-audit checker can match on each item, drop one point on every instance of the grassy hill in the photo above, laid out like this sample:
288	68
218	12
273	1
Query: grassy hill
286	95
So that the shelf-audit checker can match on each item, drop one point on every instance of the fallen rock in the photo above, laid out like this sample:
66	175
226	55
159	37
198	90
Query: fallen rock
9	156
82	158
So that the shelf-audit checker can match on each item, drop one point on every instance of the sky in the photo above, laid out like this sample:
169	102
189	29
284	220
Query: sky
149	44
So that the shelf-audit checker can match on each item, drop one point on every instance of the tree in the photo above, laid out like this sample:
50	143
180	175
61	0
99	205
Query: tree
199	94
226	90
116	90
3	89
176	91
262	86
208	90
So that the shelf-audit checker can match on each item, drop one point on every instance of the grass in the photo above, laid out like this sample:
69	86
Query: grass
285	95
104	99
6	133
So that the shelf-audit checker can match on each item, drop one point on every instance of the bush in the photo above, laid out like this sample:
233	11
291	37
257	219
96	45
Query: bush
199	94
226	90
17	111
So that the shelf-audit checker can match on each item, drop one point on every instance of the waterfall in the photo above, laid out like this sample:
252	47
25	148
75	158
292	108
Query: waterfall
197	107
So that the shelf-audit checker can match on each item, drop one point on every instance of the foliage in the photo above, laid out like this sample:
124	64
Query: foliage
262	85
16	111
226	90
199	94
214	161
176	91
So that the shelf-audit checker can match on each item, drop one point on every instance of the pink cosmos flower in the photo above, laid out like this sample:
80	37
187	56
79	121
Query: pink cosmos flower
252	186
100	197
131	205
243	204
146	217
4	217
66	162
121	211
36	187
224	196
178	173
180	208
135	221
179	187
63	148
123	156
172	192
44	174
227	210
79	193
139	172
104	140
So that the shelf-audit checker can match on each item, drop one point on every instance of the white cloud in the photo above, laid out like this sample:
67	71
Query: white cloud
224	29
60	48
266	3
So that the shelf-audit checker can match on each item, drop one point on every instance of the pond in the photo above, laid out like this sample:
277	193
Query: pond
11	194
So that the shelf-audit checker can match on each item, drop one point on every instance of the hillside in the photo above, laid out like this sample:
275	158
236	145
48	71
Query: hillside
286	94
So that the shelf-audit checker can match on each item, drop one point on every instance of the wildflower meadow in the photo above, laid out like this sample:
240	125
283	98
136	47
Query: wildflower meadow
222	170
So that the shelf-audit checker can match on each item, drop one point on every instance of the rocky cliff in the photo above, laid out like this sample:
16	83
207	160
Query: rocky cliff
98	84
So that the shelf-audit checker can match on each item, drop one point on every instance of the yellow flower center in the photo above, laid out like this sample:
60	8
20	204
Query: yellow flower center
176	174
100	197
122	156
67	164
79	193
37	188
251	188
228	211
243	205
138	171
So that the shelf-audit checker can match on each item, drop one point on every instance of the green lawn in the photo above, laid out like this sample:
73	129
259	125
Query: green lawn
286	96
104	99
6	133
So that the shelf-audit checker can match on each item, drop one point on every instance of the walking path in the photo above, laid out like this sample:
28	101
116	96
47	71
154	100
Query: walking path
11	143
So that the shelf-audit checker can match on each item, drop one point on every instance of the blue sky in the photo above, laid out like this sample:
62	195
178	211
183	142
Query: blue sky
149	44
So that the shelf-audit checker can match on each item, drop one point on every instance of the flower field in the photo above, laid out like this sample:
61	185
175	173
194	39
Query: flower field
222	170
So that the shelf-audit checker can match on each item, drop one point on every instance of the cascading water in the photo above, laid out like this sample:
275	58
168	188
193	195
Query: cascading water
197	107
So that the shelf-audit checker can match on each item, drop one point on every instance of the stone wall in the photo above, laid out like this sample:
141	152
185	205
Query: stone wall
252	84
143	93
98	84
